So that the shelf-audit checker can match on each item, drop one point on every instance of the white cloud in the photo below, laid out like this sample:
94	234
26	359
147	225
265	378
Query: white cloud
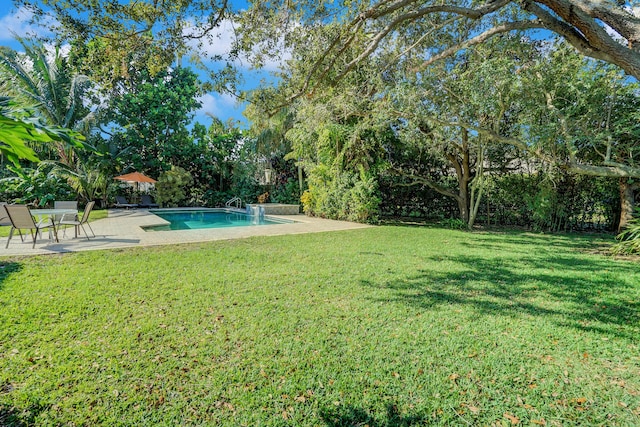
218	105
17	23
221	44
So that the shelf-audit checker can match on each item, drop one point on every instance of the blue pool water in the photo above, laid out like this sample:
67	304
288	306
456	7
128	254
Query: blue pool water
208	218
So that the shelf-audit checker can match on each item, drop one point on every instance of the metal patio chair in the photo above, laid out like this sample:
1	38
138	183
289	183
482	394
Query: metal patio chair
21	219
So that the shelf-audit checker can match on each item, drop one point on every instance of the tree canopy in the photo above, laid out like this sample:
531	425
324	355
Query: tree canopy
111	38
607	30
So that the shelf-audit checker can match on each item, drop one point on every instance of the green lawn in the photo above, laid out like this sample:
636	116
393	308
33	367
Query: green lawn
389	326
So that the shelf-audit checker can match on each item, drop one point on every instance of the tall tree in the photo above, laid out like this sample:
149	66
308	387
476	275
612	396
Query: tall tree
151	119
270	133
589	120
443	108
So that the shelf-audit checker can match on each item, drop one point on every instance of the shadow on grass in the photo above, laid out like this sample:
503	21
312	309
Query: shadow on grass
586	293
7	268
518	240
14	417
346	416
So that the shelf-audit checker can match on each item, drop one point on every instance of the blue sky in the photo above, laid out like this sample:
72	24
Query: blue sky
223	106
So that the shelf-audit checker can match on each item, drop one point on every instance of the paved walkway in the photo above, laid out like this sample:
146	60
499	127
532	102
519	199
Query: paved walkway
122	229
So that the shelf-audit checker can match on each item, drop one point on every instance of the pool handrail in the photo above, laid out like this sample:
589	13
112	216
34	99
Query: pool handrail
236	201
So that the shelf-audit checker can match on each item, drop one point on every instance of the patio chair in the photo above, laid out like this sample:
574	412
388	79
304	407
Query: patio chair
65	204
122	202
146	201
4	217
84	220
21	219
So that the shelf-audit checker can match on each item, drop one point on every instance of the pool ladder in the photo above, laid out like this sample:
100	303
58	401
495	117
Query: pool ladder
236	202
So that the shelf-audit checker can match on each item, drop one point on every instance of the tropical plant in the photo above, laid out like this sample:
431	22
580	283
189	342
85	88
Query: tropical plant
111	40
18	126
90	183
44	81
37	186
629	239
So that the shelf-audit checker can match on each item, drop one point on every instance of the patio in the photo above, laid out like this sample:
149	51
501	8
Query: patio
122	229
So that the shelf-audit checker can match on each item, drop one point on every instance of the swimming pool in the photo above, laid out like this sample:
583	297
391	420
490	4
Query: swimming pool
209	218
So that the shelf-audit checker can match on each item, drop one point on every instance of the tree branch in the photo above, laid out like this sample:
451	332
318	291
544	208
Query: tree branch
584	33
481	38
618	171
419	180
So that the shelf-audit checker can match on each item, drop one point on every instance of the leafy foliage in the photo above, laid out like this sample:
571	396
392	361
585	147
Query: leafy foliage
152	118
172	185
19	125
629	239
38	186
112	40
46	84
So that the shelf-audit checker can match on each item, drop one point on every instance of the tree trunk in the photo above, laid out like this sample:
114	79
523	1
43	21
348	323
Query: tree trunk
462	166
300	178
477	187
627	202
463	199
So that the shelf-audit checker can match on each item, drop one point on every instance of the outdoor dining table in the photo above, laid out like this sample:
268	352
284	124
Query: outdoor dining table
43	213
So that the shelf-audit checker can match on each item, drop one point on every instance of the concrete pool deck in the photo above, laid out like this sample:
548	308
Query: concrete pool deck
122	229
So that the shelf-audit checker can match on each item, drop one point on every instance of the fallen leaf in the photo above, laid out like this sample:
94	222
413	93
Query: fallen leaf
474	409
514	420
454	377
541	422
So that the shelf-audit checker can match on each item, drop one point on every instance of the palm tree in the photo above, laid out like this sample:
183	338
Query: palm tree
18	125
43	81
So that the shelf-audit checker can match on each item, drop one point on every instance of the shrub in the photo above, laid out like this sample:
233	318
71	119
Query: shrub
38	187
345	196
454	224
171	186
629	239
286	192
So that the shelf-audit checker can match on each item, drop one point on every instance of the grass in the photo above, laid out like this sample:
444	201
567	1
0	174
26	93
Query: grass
389	326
